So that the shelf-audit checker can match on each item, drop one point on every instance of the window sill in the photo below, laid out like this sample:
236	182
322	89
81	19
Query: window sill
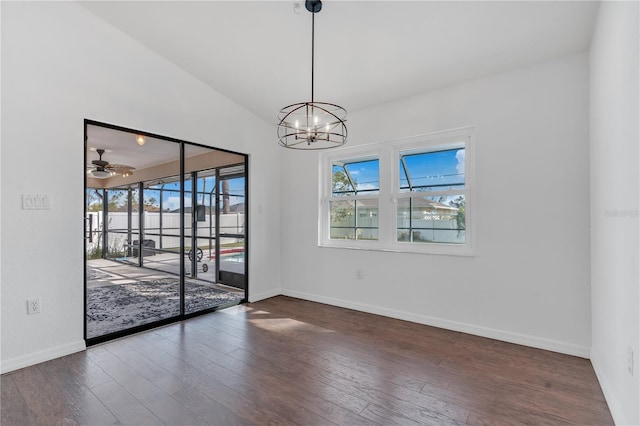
441	249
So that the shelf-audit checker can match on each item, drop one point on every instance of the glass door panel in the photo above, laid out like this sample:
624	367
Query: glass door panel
122	225
231	200
190	257
201	291
160	251
94	223
205	225
169	222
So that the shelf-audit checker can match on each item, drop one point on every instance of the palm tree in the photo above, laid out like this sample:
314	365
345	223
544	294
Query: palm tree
226	208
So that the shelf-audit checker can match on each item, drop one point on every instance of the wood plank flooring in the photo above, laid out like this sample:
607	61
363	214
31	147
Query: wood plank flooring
289	361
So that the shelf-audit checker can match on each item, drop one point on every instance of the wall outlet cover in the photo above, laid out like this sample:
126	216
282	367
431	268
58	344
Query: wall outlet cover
33	306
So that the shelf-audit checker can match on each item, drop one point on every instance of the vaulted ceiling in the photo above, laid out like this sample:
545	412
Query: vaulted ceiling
258	53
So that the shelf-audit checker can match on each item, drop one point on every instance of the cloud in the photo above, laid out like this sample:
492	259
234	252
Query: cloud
365	186
173	203
460	156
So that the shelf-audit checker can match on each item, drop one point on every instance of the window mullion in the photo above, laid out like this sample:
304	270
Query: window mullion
386	203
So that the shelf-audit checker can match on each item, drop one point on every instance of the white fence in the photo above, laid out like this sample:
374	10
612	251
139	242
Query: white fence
232	223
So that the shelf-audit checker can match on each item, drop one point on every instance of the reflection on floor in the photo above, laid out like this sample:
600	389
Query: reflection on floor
121	296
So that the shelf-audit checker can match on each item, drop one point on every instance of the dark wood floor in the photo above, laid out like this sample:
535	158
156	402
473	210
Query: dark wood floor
288	361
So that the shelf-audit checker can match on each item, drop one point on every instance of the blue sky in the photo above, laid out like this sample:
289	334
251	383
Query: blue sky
439	167
172	199
171	195
435	168
365	174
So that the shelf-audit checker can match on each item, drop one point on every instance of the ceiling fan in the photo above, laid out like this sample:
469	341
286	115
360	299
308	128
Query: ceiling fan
102	169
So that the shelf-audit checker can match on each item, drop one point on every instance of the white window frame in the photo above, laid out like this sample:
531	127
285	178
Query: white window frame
327	189
388	155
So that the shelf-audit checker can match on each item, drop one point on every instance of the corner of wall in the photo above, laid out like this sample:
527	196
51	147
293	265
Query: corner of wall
612	401
265	295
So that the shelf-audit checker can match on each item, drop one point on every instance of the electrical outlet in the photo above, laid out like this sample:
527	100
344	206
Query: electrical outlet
359	274
630	360
33	306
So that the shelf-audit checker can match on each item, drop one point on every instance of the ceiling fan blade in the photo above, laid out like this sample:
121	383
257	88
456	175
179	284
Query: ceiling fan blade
119	167
101	168
100	163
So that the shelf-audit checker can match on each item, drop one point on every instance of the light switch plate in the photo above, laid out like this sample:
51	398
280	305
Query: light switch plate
36	202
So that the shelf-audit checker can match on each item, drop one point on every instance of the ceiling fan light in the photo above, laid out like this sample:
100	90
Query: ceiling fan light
100	173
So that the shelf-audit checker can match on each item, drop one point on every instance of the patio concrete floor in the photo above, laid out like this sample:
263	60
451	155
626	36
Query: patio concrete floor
163	265
106	272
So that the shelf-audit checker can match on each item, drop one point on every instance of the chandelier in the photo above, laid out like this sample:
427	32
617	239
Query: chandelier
312	125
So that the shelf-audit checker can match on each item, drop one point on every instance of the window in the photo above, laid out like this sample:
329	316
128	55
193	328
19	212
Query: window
430	206
353	207
411	195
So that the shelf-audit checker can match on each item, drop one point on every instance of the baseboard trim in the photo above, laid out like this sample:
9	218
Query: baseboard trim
41	356
264	295
612	401
505	336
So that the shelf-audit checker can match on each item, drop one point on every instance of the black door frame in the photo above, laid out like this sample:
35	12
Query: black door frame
182	315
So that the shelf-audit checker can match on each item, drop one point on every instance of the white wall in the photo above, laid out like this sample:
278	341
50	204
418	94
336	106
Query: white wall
615	187
61	64
529	280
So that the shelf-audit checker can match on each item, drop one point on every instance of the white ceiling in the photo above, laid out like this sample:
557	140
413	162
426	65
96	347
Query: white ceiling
121	148
367	53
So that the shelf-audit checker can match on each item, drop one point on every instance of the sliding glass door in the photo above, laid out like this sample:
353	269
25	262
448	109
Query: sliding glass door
166	232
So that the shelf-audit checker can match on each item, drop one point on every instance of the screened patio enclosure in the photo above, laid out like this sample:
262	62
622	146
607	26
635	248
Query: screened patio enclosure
166	240
156	244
